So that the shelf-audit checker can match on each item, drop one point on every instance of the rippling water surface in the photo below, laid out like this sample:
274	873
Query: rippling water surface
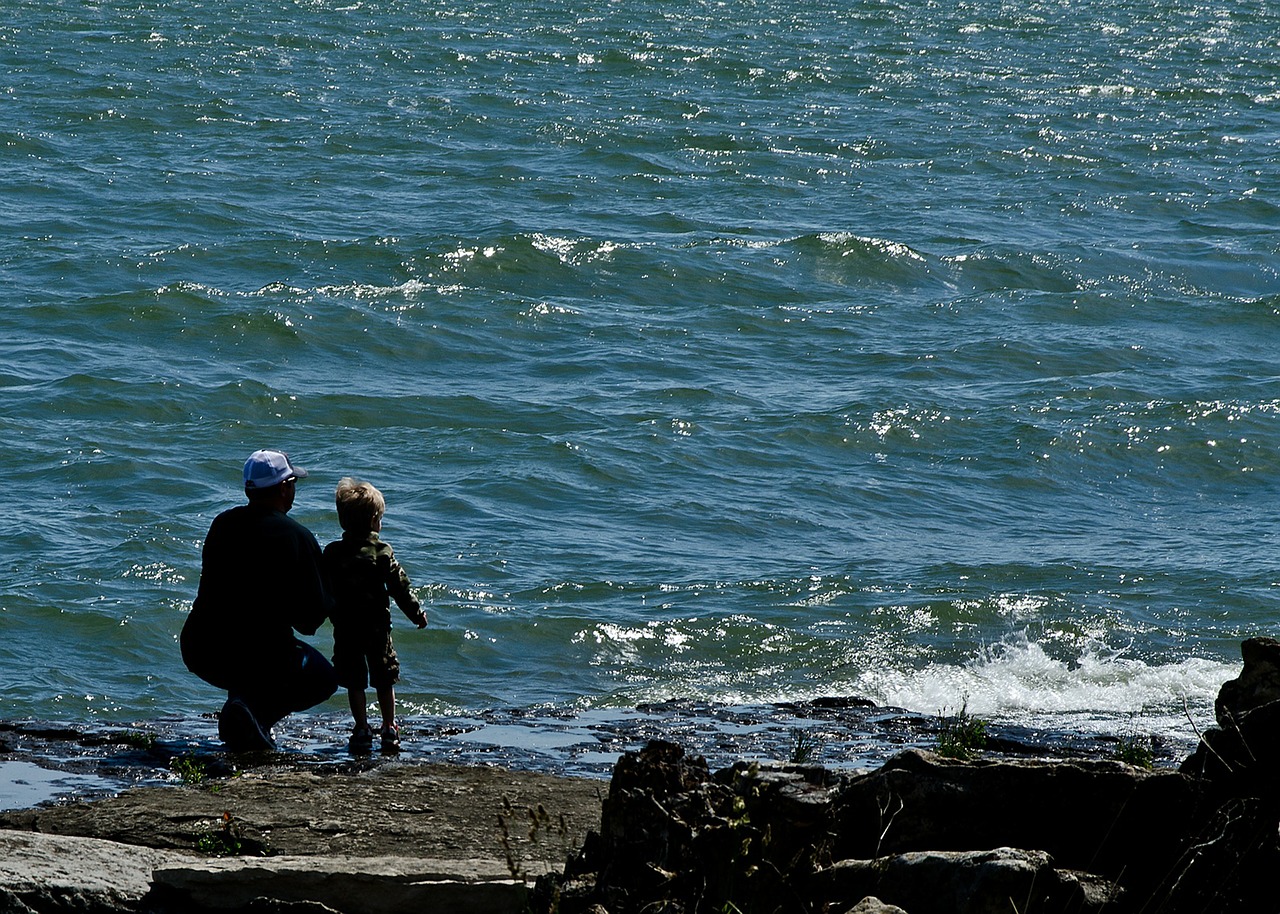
738	352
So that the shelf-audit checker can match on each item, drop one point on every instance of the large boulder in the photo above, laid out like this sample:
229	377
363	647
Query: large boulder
1098	815
675	837
1241	756
1258	683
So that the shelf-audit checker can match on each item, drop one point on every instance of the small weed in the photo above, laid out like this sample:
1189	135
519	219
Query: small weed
963	736
222	840
805	747
1135	750
226	838
139	739
192	771
541	824
1134	747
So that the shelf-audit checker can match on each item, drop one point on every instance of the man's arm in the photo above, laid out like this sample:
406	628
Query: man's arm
312	601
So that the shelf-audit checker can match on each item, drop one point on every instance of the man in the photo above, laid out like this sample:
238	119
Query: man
261	578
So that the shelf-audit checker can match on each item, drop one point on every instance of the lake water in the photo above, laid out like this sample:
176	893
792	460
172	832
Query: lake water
730	353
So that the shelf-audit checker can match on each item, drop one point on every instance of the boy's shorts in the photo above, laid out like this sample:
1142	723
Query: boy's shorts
367	661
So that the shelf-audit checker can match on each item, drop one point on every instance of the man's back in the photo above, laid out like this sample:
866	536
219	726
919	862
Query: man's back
261	577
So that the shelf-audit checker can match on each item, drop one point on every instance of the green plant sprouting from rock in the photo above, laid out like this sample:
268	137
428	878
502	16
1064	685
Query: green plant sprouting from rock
962	736
223	839
192	771
140	739
226	838
805	747
1135	750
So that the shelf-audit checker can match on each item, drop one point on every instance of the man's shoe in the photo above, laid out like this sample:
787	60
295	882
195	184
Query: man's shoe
240	730
390	738
361	739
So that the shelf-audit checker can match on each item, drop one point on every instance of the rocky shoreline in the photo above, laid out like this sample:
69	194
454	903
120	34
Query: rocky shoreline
920	833
930	835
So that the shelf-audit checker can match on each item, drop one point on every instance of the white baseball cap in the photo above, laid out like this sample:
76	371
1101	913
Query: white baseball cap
267	468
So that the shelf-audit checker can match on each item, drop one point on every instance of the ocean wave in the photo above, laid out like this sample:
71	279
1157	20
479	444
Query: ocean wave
1018	680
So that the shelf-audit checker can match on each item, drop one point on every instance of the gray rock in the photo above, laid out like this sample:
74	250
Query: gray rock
41	873
962	882
436	811
54	874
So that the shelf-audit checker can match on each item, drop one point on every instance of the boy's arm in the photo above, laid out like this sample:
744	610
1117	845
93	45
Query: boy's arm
398	586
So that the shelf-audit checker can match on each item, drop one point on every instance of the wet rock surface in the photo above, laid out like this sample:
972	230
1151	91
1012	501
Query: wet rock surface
60	763
404	810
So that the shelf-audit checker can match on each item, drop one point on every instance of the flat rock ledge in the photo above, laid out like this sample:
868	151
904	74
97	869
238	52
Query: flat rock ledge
40	873
397	838
65	873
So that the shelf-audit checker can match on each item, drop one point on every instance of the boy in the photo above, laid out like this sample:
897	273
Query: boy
365	575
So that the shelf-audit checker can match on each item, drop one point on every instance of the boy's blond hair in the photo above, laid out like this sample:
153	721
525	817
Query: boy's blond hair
359	505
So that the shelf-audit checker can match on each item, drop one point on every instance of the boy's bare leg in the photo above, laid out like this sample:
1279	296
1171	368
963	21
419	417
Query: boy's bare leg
359	710
387	705
390	732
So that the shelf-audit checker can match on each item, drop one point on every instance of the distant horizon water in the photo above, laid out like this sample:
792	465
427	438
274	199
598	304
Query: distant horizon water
736	354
